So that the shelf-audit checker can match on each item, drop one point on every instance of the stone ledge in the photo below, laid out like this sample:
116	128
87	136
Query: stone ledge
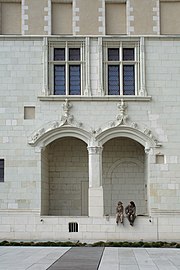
94	98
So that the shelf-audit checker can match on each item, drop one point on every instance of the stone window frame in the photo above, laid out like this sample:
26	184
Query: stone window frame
67	43
47	93
138	45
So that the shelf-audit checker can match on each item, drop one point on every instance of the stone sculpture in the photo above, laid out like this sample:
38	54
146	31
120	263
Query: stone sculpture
119	213
130	211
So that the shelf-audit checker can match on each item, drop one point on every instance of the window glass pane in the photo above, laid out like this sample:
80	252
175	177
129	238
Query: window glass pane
113	54
59	54
128	80
1	170
113	80
74	54
128	54
74	80
59	80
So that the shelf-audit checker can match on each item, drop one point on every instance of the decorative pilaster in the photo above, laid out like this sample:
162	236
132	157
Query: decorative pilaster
47	18
100	68
156	18
95	181
130	18
101	17
76	28
45	66
87	67
142	91
24	17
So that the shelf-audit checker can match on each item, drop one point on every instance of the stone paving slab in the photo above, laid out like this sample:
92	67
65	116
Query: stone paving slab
140	259
88	258
79	258
31	258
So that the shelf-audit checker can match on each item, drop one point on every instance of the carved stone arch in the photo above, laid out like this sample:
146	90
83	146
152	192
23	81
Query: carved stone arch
124	160
135	134
48	136
64	170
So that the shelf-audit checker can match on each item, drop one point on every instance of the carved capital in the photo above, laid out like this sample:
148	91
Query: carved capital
95	150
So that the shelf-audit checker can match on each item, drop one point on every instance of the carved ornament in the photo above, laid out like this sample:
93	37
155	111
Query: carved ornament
66	120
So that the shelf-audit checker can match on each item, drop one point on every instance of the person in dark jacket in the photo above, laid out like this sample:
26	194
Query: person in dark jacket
130	211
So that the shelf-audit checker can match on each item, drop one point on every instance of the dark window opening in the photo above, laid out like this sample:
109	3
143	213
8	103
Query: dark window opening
113	54
74	80
1	170
74	54
128	54
59	80
128	80
59	54
113	80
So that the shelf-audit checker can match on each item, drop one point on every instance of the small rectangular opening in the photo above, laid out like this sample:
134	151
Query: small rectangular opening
159	159
29	112
73	227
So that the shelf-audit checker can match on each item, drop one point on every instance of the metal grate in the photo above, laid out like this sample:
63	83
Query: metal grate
73	227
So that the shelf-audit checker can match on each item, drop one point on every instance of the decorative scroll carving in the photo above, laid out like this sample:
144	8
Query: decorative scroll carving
121	118
66	120
122	122
148	133
94	133
36	135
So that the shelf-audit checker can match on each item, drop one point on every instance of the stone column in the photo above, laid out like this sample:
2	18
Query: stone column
95	182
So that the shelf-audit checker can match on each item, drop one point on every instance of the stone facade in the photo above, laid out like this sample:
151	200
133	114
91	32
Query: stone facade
71	158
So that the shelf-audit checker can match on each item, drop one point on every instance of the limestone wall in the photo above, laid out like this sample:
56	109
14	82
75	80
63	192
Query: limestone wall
21	79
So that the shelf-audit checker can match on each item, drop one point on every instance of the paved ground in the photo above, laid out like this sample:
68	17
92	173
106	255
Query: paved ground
62	258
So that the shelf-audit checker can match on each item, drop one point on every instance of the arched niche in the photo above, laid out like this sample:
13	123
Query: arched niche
124	174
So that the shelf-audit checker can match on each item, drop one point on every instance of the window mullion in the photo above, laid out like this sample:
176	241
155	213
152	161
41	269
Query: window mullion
81	67
121	69
137	69
67	69
136	77
106	76
51	73
106	68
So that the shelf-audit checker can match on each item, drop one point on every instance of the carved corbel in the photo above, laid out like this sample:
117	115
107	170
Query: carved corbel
147	149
